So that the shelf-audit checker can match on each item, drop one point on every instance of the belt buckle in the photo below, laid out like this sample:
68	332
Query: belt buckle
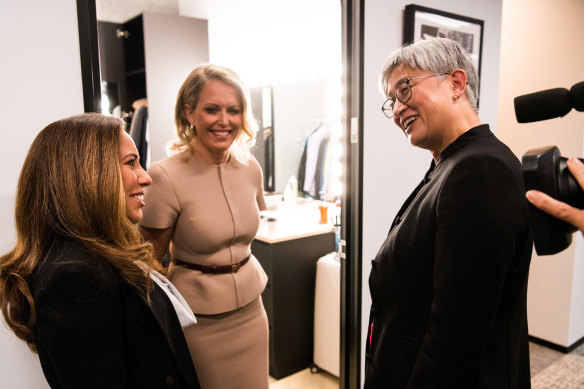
235	267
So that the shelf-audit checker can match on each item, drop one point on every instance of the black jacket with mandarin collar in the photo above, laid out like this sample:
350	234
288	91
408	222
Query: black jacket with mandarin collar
449	284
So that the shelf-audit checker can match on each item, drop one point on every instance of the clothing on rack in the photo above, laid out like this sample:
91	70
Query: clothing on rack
314	169
322	173
139	132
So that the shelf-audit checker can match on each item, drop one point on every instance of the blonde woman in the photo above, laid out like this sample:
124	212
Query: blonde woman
204	205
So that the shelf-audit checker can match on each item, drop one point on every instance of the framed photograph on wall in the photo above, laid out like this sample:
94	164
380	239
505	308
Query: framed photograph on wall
423	23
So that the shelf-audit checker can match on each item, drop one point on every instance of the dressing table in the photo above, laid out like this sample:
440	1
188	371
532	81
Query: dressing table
288	244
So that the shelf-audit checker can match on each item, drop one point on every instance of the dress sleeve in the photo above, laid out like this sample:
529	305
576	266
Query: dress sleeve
78	329
479	217
162	206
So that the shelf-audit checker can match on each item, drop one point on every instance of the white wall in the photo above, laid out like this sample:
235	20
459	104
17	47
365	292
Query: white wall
40	76
550	39
392	168
120	11
173	46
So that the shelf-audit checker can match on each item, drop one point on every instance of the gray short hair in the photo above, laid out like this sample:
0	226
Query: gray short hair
436	55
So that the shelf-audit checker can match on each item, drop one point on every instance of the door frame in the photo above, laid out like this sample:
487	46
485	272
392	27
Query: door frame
352	203
352	13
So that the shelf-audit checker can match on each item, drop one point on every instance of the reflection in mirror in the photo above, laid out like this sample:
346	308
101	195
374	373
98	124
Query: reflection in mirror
148	55
289	55
291	49
261	98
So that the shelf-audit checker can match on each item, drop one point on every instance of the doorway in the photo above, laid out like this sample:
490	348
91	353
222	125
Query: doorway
349	14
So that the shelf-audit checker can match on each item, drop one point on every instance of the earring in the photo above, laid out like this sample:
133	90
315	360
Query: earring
456	97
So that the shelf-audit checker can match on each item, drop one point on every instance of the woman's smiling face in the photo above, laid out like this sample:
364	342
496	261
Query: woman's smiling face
134	178
217	118
421	118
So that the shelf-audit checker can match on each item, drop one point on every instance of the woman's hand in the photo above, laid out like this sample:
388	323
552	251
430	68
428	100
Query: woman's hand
560	209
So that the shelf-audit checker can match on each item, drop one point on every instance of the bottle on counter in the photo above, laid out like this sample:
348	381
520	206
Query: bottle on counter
337	224
291	191
323	209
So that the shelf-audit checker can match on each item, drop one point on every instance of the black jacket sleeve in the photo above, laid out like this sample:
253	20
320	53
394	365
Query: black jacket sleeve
78	331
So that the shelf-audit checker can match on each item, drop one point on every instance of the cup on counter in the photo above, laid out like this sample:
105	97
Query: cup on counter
323	213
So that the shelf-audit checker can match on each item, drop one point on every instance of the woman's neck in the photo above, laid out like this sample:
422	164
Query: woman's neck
209	157
464	124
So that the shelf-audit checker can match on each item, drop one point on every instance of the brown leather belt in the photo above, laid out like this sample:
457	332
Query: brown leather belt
215	269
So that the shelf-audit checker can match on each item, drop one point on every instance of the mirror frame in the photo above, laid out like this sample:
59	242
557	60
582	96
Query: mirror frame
352	12
89	53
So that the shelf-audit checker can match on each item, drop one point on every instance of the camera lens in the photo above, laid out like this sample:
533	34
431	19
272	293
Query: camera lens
544	169
569	191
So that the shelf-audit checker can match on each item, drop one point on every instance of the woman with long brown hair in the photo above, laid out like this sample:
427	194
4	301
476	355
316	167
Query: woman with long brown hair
81	287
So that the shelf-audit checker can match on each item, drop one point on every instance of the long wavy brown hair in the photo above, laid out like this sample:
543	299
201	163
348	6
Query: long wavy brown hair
71	187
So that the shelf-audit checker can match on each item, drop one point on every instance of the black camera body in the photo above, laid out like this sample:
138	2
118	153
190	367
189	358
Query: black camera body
544	169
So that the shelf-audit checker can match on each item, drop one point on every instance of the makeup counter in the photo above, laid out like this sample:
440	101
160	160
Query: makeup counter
292	236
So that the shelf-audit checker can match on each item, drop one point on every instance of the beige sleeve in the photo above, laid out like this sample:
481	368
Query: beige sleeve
162	206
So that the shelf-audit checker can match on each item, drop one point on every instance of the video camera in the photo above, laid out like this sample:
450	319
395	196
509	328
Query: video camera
544	169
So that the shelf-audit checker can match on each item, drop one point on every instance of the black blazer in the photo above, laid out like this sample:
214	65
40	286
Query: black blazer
93	330
449	284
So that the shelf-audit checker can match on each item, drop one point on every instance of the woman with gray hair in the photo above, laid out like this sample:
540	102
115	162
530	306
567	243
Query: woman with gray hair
449	284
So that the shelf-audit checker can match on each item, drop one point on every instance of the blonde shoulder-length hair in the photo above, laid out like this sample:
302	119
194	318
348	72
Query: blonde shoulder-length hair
189	94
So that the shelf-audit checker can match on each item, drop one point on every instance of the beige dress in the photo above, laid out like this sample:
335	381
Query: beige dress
214	210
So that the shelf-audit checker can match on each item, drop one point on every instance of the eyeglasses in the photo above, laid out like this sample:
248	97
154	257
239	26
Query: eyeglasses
403	93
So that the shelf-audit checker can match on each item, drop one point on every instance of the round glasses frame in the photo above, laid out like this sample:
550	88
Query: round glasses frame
403	93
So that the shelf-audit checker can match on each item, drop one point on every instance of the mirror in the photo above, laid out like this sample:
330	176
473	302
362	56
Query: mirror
288	54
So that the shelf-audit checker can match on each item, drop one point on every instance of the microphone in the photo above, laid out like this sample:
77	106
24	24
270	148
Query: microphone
577	96
549	104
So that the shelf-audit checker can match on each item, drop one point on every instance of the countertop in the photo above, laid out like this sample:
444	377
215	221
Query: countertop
295	219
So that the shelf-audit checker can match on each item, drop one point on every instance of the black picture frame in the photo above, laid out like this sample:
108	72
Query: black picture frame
422	22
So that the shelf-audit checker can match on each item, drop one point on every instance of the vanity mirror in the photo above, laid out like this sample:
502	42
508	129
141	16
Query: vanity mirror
292	52
294	75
